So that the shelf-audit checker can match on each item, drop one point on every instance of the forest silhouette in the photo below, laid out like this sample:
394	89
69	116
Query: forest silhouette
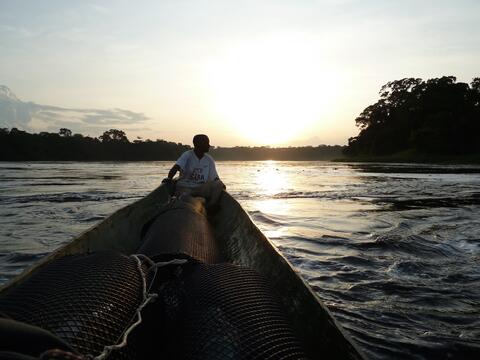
438	116
18	145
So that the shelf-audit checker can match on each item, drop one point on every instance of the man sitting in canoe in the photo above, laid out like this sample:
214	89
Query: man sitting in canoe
198	173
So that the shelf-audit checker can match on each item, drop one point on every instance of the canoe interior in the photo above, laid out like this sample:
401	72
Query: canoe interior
240	242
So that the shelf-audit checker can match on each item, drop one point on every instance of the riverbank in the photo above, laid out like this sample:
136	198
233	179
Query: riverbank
413	157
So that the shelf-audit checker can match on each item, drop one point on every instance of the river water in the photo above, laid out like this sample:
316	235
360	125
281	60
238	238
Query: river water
393	250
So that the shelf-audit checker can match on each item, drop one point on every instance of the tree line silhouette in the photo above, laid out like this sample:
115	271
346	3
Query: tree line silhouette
19	145
321	152
437	116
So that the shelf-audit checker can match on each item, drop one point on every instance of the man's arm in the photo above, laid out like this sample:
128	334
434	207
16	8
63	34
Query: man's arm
173	171
215	175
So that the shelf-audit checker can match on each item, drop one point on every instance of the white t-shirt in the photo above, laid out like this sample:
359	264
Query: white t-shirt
196	171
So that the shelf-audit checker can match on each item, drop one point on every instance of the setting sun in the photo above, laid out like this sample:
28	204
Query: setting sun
272	89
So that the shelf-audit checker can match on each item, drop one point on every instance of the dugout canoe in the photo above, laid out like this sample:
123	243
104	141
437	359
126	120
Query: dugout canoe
241	243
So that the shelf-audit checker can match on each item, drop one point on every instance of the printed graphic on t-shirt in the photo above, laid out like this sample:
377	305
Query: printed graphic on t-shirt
197	175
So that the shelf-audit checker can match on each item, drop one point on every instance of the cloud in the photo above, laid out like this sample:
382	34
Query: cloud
114	116
35	117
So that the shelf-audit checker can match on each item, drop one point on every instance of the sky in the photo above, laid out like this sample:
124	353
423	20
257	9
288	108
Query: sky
271	72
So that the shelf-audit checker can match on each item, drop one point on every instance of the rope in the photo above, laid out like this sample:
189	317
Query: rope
147	298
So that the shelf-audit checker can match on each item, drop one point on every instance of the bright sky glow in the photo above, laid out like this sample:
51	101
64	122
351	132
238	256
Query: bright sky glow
272	72
272	88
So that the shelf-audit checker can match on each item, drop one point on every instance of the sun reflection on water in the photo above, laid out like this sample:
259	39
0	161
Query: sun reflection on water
270	179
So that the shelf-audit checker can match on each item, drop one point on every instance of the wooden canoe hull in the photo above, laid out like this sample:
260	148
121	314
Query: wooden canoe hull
241	242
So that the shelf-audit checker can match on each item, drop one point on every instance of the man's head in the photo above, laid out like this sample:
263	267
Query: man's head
201	143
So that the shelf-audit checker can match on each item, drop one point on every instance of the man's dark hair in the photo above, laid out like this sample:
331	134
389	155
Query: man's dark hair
200	138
